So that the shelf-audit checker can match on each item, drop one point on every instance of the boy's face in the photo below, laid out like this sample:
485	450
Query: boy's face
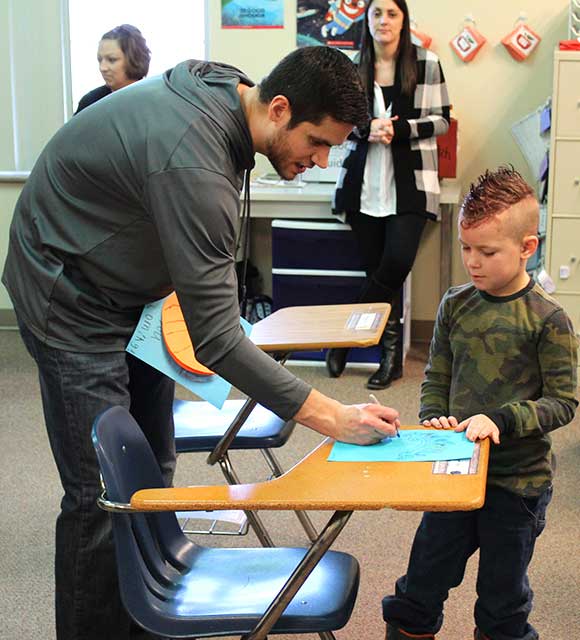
494	259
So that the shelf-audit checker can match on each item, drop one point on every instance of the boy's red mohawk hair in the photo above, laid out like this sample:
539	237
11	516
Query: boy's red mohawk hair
492	193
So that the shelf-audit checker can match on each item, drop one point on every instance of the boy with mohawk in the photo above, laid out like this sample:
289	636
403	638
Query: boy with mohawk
502	365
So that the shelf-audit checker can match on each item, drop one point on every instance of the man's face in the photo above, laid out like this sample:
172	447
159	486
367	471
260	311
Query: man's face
292	151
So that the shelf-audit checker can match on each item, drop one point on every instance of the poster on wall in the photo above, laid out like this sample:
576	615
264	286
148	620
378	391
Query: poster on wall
336	23
252	14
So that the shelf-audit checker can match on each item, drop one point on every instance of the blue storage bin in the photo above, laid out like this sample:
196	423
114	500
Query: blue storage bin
297	287
297	244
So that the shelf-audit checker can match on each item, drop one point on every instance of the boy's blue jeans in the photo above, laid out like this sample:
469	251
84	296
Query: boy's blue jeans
505	531
75	388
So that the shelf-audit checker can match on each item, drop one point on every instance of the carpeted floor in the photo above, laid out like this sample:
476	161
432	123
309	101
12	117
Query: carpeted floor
30	495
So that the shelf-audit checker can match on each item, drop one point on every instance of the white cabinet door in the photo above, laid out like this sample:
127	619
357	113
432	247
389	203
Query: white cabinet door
568	107
566	187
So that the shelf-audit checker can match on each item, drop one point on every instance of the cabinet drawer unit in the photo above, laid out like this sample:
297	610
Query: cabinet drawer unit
565	257
568	107
566	185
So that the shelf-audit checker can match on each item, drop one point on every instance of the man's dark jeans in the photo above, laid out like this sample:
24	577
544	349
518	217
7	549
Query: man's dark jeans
75	388
505	531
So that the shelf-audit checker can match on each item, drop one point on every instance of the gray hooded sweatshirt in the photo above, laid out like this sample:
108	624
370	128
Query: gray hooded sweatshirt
134	197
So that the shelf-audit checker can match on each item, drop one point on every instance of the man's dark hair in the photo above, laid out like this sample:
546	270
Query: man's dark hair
318	82
133	45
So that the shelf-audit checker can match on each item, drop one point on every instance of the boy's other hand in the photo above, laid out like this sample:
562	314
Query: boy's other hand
442	422
479	427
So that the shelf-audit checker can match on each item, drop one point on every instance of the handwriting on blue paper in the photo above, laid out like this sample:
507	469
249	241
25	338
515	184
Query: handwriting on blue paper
414	445
147	344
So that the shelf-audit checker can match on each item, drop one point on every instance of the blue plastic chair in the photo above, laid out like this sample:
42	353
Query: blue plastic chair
175	588
240	424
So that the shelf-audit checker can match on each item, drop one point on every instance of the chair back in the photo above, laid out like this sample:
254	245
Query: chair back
174	588
151	548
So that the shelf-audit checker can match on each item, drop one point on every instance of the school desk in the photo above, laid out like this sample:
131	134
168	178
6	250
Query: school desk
342	487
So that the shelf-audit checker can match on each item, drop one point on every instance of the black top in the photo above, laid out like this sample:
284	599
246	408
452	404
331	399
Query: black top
388	94
93	96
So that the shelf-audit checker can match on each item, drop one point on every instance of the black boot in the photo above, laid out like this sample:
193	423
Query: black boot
336	361
391	364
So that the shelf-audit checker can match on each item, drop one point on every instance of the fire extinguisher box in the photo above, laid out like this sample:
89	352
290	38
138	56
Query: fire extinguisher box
447	151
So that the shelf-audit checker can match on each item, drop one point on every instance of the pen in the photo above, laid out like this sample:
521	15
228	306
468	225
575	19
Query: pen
374	400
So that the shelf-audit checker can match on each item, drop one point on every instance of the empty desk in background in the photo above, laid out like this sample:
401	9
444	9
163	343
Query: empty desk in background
319	263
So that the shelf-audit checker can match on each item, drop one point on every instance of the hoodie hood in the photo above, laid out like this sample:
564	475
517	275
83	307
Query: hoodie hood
212	88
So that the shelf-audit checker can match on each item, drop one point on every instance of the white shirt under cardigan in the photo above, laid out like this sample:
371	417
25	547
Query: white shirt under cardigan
378	194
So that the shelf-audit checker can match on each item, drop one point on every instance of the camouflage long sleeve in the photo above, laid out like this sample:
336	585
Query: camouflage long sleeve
513	359
437	382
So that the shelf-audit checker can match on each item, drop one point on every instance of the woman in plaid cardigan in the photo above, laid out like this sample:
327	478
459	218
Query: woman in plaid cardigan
388	186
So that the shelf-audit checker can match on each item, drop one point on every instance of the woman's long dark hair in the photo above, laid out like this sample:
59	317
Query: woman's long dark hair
406	55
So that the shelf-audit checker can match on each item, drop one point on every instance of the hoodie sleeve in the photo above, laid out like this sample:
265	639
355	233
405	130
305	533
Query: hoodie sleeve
195	212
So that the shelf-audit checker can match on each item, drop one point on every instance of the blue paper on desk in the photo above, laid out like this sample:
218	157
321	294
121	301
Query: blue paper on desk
414	445
147	344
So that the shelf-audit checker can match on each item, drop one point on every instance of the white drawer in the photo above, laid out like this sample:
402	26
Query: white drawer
565	256
566	187
568	108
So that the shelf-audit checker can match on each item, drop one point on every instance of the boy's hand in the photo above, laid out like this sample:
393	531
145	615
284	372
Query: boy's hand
442	422
479	427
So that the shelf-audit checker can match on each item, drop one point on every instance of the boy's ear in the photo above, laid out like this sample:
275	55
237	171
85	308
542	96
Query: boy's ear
529	246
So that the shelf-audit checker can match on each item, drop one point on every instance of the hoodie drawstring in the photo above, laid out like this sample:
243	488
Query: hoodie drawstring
244	237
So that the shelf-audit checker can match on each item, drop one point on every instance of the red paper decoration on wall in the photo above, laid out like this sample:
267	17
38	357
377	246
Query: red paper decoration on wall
467	43
521	42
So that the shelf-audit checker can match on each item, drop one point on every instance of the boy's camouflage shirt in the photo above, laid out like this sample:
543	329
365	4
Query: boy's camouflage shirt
513	359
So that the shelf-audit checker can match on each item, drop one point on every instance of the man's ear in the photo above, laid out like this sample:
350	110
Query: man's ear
529	246
279	110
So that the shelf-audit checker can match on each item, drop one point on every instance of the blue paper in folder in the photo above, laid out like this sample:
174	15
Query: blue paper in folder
414	445
147	345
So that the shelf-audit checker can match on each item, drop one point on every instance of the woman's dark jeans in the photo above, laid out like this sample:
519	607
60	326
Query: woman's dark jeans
505	531
388	247
75	388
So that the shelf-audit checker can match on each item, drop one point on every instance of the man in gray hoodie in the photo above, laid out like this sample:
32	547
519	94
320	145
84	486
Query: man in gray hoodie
137	196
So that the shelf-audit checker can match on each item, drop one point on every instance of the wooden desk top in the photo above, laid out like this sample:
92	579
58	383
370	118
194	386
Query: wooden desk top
319	327
316	484
287	330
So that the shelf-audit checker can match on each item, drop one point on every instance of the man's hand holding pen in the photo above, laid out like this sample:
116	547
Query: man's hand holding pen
374	401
